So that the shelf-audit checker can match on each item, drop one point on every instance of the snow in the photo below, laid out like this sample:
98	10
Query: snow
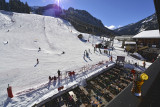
25	33
127	42
147	20
138	55
141	29
148	34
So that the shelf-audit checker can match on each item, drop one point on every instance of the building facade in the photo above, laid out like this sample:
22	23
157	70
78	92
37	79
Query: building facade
149	38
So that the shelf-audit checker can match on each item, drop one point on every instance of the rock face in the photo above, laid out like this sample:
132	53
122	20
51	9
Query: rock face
85	22
80	19
149	23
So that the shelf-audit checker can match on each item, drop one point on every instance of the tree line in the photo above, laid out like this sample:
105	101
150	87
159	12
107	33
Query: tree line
14	6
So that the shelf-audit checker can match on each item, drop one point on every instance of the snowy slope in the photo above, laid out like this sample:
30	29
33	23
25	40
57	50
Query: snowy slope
25	33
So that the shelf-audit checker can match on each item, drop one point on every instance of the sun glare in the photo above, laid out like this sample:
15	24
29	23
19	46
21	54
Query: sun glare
58	1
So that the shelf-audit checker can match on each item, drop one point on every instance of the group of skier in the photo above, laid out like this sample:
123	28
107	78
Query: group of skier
54	77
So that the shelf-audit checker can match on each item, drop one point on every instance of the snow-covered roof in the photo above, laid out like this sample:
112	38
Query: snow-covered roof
127	42
148	34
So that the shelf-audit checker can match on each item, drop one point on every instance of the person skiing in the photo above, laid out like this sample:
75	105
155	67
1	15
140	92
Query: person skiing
39	49
50	78
135	64
87	54
55	78
63	52
37	61
59	73
94	49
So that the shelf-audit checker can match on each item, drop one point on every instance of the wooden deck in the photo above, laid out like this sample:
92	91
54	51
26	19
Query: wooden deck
99	91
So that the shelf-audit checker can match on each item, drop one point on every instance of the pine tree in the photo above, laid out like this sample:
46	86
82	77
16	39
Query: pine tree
5	5
22	7
27	8
2	4
15	6
11	5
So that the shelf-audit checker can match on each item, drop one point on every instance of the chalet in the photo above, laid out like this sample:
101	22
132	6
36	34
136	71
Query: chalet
150	38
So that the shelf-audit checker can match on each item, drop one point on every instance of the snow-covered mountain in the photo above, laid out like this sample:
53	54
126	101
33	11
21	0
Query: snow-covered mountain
85	22
149	23
34	8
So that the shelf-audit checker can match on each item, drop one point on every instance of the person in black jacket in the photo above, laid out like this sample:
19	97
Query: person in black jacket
59	73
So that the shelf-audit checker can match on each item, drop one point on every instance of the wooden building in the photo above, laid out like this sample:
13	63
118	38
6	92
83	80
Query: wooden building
150	38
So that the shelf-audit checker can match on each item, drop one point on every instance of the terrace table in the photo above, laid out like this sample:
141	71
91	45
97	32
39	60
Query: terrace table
71	93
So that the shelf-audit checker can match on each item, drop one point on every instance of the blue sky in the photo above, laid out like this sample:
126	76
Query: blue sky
111	12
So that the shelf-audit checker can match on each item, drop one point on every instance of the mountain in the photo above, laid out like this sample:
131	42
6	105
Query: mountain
85	22
33	8
80	19
149	23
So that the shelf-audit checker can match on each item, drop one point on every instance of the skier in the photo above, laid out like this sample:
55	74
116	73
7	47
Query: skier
87	54
59	73
55	78
94	49
63	52
50	78
144	64
39	49
135	64
100	50
37	61
84	55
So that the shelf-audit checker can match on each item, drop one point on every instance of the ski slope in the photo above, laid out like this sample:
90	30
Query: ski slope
20	37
